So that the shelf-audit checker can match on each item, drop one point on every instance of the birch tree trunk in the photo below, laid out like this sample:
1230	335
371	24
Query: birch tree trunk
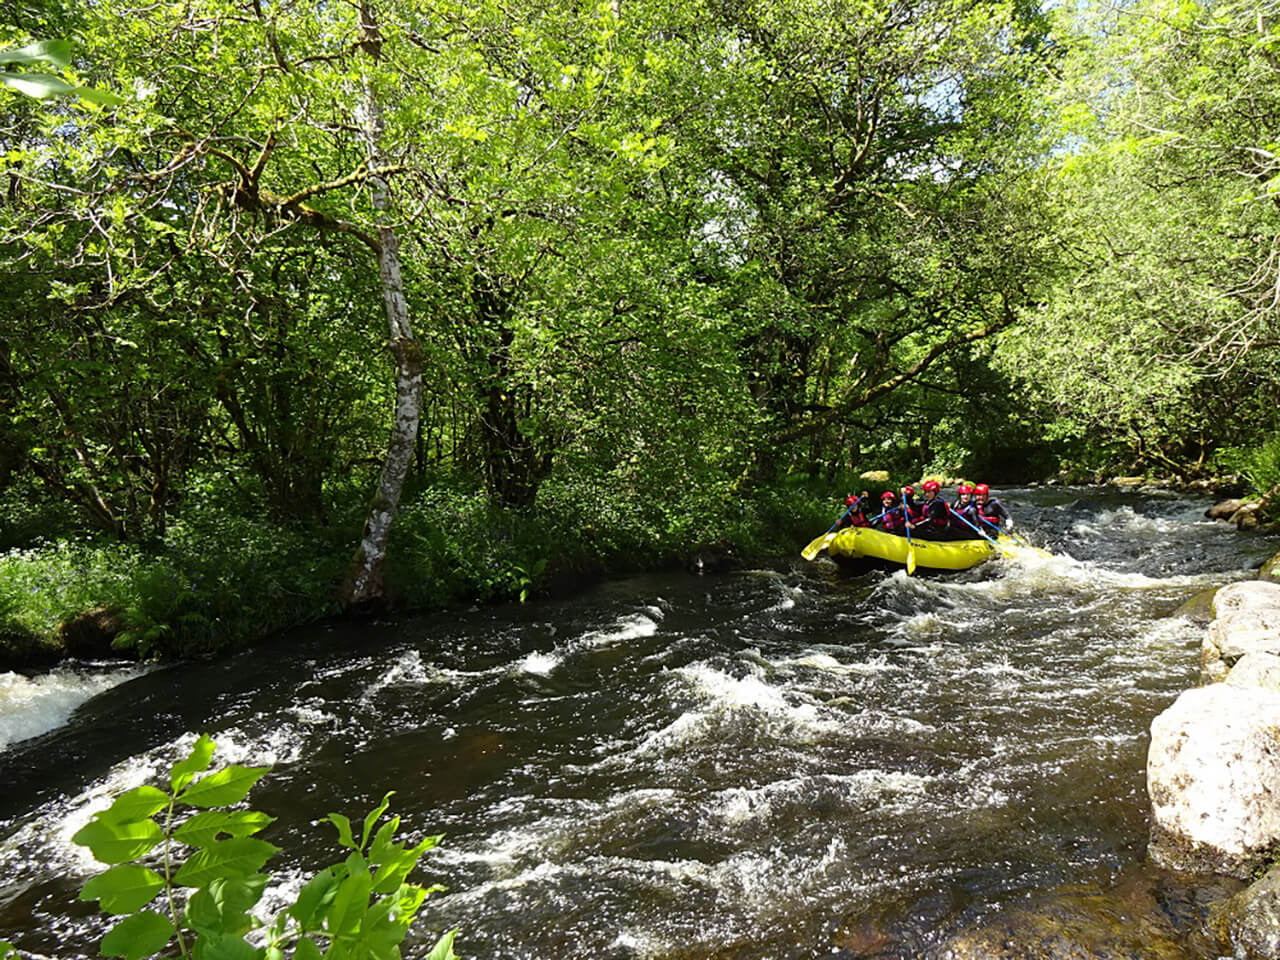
365	584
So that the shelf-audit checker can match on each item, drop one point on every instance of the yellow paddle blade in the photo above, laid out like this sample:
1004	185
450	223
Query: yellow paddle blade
911	558
815	548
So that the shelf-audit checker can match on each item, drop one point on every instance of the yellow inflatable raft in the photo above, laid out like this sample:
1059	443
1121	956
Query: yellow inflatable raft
859	543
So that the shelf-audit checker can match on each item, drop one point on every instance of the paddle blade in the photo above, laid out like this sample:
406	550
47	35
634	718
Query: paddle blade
817	546
911	558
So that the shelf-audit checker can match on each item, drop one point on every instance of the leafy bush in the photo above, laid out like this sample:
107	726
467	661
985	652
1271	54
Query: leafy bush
1259	465
192	848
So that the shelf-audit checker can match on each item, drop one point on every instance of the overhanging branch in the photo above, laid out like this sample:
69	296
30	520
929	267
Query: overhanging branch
860	398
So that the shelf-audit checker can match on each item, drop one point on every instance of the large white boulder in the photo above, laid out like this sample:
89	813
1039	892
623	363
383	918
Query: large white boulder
1213	775
1256	670
1246	620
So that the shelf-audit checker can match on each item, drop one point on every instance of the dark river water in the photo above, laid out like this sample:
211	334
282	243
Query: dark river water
779	762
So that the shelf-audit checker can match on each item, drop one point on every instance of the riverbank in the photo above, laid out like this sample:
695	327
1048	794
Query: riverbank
222	580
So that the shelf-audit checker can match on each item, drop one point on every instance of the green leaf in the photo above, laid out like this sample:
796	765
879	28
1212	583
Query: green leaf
350	903
41	86
237	857
118	842
396	867
225	946
443	950
223	906
382	845
229	785
344	830
7	951
197	761
306	950
205	827
314	897
137	804
138	935
56	52
123	889
372	818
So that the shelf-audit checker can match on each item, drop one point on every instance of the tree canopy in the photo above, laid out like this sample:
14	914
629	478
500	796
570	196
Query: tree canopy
677	251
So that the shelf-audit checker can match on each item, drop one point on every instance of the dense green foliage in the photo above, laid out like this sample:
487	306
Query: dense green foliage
667	266
185	871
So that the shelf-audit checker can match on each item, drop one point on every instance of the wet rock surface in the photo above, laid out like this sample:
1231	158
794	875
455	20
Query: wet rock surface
1138	919
1250	921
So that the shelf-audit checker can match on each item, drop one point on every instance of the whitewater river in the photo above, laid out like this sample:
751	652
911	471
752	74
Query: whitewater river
781	762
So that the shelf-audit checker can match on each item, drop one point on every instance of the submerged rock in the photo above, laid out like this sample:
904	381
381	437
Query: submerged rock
1133	921
1250	921
1213	773
1199	607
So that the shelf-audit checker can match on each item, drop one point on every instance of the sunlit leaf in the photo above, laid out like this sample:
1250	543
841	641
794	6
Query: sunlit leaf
207	826
196	761
138	935
229	785
237	857
124	888
118	842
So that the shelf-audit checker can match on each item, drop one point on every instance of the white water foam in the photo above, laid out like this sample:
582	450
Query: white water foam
890	789
30	706
43	843
630	627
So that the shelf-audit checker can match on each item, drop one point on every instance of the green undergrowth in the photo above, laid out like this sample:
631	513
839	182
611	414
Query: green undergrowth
224	577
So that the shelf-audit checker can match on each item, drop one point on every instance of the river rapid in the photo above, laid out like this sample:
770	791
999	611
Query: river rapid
779	762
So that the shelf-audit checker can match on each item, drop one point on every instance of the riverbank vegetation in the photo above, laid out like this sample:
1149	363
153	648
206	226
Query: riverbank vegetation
418	304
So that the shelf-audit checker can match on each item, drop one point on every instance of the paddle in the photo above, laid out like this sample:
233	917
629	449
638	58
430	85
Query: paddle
1007	533
911	547
1004	550
822	542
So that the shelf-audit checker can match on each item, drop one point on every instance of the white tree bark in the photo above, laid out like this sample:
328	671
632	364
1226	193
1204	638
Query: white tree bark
366	582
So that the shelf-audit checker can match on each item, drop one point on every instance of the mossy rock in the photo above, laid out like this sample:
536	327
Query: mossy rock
1141	918
88	635
1270	570
1199	607
20	651
1250	921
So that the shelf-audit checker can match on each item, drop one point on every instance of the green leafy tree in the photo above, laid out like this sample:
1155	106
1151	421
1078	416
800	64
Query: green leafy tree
1159	336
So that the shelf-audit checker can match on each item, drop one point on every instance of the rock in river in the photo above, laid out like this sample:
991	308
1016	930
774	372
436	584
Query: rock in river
1213	773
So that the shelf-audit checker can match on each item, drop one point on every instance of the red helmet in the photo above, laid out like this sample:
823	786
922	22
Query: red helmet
981	490
887	497
909	490
850	500
964	488
931	486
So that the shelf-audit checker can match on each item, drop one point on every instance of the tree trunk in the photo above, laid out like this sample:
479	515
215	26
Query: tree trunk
366	581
